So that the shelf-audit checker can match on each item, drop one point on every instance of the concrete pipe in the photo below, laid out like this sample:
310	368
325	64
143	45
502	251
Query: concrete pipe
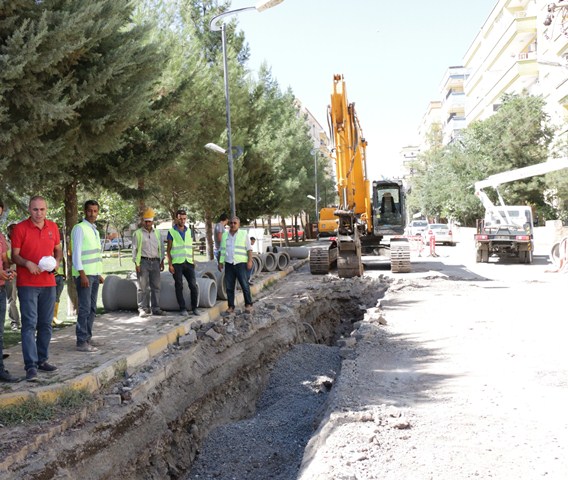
207	292
296	252
256	265
168	299
119	294
210	270
282	260
268	262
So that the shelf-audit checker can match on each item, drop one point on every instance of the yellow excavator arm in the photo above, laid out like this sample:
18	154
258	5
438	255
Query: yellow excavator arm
350	155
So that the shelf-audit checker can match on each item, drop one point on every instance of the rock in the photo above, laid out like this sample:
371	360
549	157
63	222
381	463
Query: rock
188	340
211	333
113	400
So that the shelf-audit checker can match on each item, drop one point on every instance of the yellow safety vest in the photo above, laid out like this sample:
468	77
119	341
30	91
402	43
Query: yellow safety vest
138	235
181	250
91	251
240	254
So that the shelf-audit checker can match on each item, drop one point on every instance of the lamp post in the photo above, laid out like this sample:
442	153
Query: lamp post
314	152
216	25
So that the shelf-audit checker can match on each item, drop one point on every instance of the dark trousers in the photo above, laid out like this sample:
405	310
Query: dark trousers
186	270
59	284
232	274
87	308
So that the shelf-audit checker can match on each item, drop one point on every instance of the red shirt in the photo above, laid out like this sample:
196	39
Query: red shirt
3	249
35	243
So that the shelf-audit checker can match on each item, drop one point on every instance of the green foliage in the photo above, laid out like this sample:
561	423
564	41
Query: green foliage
124	96
517	135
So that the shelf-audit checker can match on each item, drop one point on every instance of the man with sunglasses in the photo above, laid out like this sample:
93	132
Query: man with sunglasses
180	260
236	259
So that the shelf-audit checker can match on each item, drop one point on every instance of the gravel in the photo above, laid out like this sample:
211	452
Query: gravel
271	444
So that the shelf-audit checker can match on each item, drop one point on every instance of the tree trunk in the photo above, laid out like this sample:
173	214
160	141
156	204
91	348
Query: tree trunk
285	231
71	207
209	233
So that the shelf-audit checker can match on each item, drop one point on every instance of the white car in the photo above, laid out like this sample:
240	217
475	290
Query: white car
416	227
441	233
117	244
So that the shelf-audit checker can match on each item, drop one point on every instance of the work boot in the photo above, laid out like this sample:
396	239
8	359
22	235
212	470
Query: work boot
55	322
142	313
31	374
6	377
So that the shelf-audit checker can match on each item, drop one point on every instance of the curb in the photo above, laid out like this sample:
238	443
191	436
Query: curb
100	376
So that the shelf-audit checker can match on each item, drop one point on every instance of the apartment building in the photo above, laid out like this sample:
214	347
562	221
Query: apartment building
513	52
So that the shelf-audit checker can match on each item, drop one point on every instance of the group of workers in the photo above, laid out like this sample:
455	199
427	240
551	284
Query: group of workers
36	251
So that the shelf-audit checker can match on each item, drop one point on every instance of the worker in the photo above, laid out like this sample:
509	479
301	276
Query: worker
148	256
11	289
180	262
59	284
87	272
36	251
236	258
218	234
6	276
249	270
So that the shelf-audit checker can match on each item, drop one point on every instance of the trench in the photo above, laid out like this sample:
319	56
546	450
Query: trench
219	384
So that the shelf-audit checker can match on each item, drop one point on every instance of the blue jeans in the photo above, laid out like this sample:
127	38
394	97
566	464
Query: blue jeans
2	318
233	273
87	308
36	309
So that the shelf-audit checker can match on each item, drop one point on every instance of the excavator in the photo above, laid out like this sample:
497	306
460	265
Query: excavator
371	215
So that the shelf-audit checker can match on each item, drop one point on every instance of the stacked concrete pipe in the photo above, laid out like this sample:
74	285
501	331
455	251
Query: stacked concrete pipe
257	265
282	260
268	262
210	270
121	293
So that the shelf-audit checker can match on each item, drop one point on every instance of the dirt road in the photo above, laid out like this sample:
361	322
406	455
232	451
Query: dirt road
469	379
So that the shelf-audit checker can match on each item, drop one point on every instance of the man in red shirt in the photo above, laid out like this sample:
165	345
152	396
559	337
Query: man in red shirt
36	242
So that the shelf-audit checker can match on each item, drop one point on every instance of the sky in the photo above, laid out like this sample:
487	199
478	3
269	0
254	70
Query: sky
393	56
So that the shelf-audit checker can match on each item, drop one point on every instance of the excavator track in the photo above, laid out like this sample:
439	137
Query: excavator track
400	257
349	262
322	259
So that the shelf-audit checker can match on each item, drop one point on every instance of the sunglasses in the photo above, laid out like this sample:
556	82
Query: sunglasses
233	223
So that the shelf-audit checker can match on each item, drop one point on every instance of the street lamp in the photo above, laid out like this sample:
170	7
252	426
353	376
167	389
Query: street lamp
216	25
314	152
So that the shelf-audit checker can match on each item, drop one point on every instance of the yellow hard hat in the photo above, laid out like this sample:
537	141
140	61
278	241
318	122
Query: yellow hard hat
148	214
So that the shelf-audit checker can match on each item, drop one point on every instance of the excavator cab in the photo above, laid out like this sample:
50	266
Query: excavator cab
388	207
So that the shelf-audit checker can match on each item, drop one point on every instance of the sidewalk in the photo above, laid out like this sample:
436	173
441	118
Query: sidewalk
126	342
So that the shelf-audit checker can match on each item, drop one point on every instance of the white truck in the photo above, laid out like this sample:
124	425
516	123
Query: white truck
508	230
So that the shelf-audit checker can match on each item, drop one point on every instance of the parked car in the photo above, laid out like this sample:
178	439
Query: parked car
441	232
106	245
290	233
416	227
119	244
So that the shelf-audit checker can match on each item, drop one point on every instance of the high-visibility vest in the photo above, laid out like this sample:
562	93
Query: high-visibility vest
182	250
240	254
138	235
90	252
